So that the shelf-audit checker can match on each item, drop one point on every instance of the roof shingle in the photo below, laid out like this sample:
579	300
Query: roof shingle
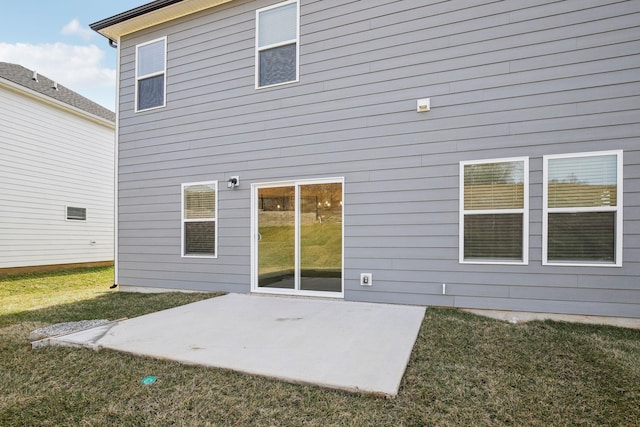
45	86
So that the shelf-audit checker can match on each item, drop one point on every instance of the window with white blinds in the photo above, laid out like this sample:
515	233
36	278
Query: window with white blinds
277	44
199	219
582	222
150	74
494	211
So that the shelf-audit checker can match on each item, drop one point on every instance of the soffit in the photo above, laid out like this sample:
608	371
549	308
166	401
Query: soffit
170	12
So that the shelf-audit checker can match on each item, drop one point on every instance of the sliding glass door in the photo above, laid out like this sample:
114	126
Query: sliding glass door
298	243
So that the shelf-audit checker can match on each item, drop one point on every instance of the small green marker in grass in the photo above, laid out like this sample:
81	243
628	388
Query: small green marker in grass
148	380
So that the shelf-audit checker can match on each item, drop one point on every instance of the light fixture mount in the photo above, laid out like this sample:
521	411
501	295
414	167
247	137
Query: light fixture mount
233	182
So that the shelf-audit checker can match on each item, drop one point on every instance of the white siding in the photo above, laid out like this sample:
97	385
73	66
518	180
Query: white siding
49	159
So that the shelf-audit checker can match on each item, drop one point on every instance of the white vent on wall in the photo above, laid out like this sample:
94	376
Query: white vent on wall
423	105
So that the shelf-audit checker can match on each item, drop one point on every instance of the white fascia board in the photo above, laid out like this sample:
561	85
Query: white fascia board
159	16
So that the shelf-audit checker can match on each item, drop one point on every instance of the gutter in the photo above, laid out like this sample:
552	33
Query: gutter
155	13
116	176
133	13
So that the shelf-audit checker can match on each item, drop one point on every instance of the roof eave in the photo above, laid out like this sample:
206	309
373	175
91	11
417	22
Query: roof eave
148	15
8	84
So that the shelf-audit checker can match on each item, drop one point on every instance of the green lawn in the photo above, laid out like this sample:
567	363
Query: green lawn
464	370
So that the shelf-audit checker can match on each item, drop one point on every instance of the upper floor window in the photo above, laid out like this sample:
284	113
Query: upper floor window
582	209
277	44
494	211
151	63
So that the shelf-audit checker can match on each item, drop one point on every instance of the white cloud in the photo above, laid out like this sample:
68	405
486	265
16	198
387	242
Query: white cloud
77	67
74	28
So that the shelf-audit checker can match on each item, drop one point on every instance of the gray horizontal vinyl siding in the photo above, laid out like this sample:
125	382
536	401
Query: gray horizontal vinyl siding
505	79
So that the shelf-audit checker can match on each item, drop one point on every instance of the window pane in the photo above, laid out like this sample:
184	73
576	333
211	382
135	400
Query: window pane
320	216
497	236
151	58
278	65
494	186
278	25
151	92
585	236
199	238
200	201
582	182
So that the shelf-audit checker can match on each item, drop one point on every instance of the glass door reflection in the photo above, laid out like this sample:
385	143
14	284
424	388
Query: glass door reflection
276	237
299	239
320	219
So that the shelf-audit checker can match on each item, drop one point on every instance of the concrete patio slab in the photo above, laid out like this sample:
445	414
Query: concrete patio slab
352	346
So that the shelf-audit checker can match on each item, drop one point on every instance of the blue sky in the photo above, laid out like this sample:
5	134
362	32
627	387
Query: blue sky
53	37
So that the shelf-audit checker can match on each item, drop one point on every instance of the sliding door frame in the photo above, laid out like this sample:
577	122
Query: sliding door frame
255	238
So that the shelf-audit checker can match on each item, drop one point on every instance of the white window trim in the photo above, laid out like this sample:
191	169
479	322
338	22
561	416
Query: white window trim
524	211
271	46
184	220
146	76
618	209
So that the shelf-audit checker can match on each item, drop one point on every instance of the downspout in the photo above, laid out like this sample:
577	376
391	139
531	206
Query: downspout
116	279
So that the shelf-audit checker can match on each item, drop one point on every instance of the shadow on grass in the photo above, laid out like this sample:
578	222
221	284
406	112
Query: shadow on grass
19	276
109	305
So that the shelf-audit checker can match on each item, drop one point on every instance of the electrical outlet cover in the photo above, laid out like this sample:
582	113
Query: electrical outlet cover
366	279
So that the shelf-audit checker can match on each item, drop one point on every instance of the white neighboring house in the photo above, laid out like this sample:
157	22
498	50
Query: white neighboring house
56	173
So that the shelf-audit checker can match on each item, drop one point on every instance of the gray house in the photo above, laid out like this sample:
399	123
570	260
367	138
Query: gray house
463	153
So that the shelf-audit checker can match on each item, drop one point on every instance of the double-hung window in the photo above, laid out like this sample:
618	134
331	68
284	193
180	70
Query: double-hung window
494	211
277	44
199	219
151	63
582	209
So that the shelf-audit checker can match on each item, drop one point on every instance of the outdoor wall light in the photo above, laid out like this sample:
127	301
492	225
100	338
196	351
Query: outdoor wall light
233	182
